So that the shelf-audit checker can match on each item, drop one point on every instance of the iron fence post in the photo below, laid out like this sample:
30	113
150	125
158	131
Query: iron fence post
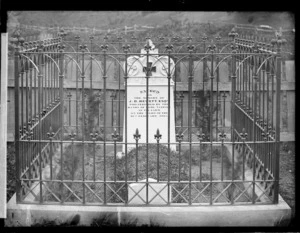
190	87
212	48
233	111
279	42
254	127
148	73
17	125
61	111
125	48
76	76
40	115
83	48
169	48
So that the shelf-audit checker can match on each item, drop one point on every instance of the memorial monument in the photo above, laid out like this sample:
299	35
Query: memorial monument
157	68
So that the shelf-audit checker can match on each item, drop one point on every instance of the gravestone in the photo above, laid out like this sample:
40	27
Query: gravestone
157	99
157	193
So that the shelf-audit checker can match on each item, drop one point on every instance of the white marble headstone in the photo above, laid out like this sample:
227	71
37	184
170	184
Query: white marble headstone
157	99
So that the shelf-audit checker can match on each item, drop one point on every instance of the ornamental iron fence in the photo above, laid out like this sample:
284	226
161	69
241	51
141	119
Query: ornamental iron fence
75	145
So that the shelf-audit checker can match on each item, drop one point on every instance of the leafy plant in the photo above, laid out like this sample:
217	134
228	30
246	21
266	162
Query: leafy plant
141	154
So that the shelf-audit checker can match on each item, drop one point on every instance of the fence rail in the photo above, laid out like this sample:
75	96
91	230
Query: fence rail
79	146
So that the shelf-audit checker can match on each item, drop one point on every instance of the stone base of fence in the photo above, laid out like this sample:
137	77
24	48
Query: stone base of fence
240	215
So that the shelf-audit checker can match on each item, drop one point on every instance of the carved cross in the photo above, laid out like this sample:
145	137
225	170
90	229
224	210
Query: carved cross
149	69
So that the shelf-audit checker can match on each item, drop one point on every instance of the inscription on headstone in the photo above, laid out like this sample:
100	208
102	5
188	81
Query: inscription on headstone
157	104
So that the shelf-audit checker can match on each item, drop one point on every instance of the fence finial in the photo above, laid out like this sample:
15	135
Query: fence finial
243	134
50	134
157	136
115	135
179	136
137	136
94	134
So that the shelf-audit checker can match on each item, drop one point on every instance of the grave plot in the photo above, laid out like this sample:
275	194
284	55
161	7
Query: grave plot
137	134
183	169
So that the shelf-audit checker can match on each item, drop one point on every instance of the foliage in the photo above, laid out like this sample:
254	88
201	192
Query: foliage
174	168
204	116
93	109
110	220
72	222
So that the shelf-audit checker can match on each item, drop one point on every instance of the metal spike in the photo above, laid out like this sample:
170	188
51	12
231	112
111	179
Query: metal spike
136	136
157	136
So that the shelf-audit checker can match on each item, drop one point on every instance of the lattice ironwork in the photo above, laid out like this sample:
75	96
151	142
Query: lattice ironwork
72	110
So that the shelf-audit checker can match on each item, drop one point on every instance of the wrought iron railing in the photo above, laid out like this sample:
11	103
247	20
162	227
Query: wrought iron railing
71	118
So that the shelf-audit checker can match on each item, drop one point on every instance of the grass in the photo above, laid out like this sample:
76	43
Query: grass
287	176
102	221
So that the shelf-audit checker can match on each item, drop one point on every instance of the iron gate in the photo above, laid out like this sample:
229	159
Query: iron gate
71	122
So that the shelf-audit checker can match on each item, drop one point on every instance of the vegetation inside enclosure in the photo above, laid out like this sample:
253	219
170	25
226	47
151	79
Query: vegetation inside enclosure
93	118
201	111
77	168
74	168
92	115
178	163
94	105
175	159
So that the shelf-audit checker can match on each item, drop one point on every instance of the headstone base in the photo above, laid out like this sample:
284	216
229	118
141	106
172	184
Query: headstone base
137	193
